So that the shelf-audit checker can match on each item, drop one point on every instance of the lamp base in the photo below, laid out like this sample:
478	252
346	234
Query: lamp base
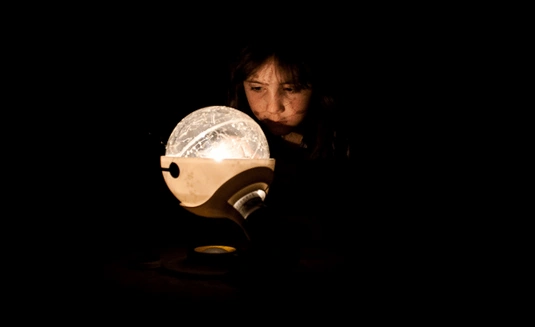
209	260
220	261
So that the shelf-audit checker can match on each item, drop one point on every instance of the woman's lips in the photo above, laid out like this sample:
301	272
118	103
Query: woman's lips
277	127
270	122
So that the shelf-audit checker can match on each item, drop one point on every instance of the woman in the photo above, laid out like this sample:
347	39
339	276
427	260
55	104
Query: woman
287	88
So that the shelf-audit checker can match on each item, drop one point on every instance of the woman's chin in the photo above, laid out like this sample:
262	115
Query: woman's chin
277	128
280	130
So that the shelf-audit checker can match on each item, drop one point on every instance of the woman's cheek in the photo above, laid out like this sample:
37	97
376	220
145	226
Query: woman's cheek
253	101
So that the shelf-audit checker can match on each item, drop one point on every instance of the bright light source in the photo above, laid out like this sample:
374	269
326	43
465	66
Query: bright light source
219	133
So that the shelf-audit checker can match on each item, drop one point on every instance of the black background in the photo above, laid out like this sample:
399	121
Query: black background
125	88
136	86
113	88
131	85
151	84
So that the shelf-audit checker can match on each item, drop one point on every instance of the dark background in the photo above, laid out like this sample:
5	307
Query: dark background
133	85
111	90
141	85
152	80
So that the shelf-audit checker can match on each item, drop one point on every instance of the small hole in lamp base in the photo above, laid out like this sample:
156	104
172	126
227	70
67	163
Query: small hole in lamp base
215	249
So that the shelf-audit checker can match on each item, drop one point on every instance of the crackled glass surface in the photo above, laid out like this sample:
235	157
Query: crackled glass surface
218	132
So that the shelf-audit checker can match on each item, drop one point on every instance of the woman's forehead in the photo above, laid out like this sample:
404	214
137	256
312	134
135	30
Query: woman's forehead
270	70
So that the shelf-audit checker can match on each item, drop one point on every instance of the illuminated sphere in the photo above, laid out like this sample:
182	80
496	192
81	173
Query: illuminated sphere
218	132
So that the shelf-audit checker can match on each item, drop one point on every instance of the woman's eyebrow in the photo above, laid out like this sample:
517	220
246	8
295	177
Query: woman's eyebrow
255	81
258	82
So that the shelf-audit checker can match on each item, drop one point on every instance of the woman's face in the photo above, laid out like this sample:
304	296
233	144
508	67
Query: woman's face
277	103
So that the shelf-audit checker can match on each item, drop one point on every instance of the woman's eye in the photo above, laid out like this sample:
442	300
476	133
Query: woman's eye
292	89
256	88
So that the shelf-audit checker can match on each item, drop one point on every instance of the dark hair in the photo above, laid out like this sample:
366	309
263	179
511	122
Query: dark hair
306	68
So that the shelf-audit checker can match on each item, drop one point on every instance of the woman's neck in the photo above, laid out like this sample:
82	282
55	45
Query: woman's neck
293	137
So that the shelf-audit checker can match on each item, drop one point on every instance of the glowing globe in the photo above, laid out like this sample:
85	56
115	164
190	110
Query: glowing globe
218	132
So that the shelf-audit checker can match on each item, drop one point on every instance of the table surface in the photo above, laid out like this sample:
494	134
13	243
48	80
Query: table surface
317	270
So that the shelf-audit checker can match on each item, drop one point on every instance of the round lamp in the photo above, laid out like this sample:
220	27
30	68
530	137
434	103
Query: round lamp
217	163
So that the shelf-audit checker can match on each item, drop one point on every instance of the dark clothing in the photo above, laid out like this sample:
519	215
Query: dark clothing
307	202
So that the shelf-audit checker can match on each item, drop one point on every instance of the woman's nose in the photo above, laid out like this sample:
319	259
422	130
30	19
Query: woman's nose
274	104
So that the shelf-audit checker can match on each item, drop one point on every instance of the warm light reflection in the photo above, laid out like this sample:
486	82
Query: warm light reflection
231	148
215	249
221	151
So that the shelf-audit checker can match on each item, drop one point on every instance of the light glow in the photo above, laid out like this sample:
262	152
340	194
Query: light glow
218	133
